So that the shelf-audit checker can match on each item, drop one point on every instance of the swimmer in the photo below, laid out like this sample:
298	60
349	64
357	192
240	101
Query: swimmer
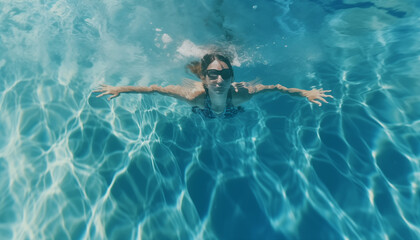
217	96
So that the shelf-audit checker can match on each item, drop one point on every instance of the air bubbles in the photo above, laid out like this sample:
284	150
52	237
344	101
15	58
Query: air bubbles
311	75
162	40
166	38
189	49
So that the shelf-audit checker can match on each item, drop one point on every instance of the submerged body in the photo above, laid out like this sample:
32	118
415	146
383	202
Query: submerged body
229	111
217	95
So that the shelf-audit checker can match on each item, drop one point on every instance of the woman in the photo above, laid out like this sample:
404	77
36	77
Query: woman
218	95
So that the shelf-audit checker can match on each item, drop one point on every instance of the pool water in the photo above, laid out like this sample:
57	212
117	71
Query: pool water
74	166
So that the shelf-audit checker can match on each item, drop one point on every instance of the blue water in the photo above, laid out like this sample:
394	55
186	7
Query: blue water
74	166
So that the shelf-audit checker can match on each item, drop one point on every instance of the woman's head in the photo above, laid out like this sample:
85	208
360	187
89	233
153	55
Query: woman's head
199	68
208	59
215	71
218	75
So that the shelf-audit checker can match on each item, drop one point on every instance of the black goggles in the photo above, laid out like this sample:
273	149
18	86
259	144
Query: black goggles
225	74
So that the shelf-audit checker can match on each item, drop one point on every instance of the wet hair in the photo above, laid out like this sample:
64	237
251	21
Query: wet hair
198	68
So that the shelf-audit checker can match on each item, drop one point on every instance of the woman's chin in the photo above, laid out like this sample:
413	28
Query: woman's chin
219	90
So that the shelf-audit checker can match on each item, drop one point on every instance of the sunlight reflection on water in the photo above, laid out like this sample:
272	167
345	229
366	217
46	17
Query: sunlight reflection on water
74	166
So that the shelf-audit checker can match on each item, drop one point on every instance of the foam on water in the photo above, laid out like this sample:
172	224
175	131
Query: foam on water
74	166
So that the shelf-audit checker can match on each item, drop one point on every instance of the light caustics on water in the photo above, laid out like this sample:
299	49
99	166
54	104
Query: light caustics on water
74	166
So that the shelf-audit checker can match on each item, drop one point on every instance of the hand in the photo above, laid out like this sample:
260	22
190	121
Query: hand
238	85
317	94
108	90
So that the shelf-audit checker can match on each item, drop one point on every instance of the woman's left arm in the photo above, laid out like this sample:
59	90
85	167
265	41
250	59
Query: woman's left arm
314	95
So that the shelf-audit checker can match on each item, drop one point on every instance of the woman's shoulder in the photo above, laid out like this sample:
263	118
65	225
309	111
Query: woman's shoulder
196	93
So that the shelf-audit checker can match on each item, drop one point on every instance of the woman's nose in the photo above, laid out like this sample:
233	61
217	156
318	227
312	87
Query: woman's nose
219	79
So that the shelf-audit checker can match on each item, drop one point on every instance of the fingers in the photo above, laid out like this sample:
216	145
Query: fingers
237	86
317	102
322	99
321	90
113	96
100	95
322	93
102	89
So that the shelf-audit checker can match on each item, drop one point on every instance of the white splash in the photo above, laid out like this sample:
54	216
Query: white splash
166	38
189	49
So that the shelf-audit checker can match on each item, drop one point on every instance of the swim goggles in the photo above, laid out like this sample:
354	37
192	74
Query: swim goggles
213	74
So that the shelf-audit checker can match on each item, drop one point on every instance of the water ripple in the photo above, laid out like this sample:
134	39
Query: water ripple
74	166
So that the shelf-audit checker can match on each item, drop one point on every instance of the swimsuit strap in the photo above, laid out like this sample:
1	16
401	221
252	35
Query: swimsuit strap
229	98
231	110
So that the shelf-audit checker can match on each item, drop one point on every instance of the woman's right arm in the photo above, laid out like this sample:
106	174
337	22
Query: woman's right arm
179	92
313	95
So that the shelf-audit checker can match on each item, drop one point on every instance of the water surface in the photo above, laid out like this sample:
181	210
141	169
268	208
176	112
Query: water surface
74	166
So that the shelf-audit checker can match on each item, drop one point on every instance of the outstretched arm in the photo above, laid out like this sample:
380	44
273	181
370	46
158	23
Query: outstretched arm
314	95
178	92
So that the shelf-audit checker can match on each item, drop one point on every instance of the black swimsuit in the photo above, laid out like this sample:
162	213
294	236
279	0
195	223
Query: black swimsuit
229	112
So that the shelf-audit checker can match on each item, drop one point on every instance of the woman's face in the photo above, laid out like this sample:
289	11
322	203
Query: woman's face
218	77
